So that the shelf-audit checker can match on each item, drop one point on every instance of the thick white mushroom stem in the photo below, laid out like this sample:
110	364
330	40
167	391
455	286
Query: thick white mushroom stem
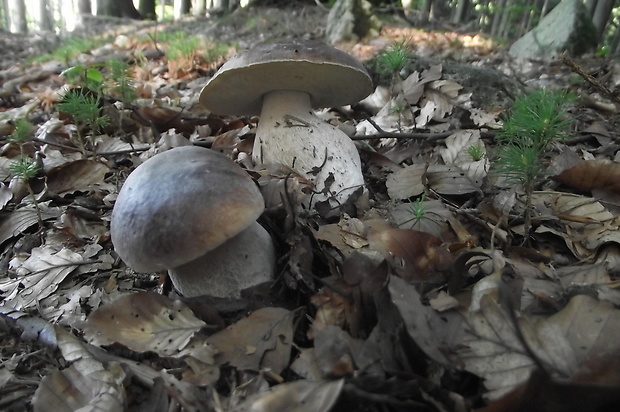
290	133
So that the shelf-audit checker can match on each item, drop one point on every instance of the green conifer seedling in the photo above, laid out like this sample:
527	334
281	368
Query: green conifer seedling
537	119
86	112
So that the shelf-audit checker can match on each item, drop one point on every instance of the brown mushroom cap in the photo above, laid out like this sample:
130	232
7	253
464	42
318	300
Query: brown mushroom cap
180	204
330	76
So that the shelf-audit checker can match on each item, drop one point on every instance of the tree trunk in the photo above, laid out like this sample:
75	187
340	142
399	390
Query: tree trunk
4	24
601	15
460	12
181	8
497	17
505	19
425	13
17	16
85	7
117	8
44	18
147	9
199	8
545	9
615	43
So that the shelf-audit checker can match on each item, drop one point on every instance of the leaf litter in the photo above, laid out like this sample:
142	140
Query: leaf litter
419	298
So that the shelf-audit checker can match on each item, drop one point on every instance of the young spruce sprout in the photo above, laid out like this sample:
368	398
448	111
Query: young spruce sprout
418	209
476	152
22	131
121	82
537	119
24	168
86	113
392	60
390	63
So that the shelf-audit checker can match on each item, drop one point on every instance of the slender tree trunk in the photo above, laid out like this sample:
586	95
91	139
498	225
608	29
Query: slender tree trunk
545	8
85	7
503	24
425	13
615	42
525	18
199	7
460	13
497	17
181	8
147	9
117	8
162	9
601	15
4	14
44	18
17	16
591	5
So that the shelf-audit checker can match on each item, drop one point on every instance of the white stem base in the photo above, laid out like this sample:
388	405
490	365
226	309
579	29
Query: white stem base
290	133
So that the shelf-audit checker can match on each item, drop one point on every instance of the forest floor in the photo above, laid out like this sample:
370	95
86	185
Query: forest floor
447	286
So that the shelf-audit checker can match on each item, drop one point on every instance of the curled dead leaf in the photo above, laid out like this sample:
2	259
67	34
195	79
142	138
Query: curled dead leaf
592	174
414	255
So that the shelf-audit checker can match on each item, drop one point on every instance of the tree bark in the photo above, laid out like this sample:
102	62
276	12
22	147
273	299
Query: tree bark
460	12
44	20
16	12
181	8
199	7
85	7
497	17
601	15
117	8
147	9
425	13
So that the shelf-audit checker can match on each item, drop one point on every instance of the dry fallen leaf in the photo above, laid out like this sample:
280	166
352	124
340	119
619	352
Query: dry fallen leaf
85	385
143	322
414	255
74	176
589	175
436	334
262	340
299	396
39	275
406	182
451	180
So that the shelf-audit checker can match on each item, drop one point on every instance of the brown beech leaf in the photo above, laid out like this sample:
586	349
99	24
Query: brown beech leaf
78	175
592	174
262	340
143	322
298	396
438	335
413	254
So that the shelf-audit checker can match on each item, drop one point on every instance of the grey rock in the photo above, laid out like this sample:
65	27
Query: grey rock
568	27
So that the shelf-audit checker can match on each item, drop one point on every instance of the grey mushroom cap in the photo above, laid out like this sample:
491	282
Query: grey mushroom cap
331	77
180	204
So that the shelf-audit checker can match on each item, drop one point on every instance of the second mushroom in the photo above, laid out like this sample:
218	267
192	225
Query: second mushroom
283	82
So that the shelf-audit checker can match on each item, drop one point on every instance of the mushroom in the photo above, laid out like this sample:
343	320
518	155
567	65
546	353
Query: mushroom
283	82
193	211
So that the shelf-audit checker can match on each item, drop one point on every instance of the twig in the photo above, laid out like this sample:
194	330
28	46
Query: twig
62	146
420	136
590	79
124	151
